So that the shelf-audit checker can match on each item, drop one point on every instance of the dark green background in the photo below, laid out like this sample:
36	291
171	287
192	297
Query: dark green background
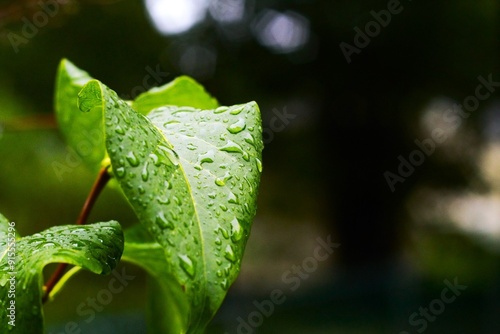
323	173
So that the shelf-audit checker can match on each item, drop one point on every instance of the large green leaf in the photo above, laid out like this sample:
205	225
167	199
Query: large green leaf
83	133
97	247
192	177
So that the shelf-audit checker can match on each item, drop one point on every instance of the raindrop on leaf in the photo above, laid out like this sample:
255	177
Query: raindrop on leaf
237	127
187	264
132	159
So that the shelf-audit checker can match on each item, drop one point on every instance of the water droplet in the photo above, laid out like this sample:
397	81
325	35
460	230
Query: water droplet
191	147
120	172
223	207
224	284
165	200
227	270
170	154
174	215
221	181
247	208
224	232
78	231
235	110
172	122
237	127
259	164
229	254
119	130
184	109
249	139
187	264
208	157
232	198
155	159
236	230
220	110
232	147
145	173
219	273
212	195
218	242
132	159
141	189
170	242
162	221
77	245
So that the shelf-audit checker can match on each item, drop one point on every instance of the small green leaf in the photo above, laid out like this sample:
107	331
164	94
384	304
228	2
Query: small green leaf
83	133
182	91
167	303
96	247
192	177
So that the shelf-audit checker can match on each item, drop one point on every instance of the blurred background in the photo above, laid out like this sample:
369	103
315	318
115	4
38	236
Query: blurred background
382	134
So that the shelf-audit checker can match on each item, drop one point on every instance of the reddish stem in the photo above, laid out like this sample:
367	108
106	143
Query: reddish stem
99	184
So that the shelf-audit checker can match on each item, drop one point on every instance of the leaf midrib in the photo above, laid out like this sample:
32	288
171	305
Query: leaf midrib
202	237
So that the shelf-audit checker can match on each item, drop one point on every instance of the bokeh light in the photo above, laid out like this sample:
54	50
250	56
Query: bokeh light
227	11
172	17
282	32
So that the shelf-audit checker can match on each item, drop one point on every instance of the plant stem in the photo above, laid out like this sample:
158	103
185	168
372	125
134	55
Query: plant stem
99	184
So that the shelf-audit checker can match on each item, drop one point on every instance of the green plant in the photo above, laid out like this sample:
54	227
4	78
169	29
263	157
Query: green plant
189	168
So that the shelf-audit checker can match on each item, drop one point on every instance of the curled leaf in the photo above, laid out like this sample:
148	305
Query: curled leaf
97	248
